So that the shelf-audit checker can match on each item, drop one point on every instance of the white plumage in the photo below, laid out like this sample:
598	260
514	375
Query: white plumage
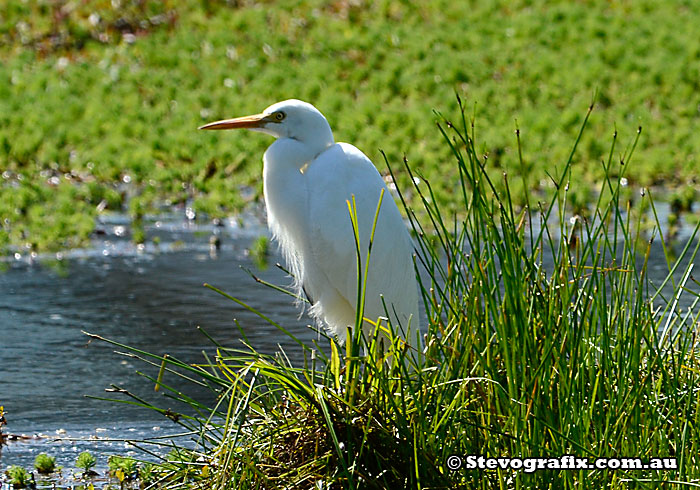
308	180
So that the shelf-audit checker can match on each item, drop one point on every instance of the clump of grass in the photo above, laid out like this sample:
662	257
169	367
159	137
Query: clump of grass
44	463
545	338
86	461
18	477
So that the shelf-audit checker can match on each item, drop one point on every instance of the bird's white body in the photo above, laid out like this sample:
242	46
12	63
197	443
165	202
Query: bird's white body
308	181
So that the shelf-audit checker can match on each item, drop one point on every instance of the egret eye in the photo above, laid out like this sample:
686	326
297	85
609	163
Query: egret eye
279	116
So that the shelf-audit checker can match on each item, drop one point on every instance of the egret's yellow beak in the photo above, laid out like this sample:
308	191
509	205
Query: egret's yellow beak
245	122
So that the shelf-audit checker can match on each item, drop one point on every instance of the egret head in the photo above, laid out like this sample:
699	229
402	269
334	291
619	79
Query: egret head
291	118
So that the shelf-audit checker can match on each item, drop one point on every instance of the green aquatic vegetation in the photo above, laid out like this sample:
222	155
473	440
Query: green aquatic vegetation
683	199
129	465
86	461
44	463
545	338
123	468
96	112
18	477
260	251
147	473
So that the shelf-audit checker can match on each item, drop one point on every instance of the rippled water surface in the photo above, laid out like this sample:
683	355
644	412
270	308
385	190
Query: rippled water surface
152	299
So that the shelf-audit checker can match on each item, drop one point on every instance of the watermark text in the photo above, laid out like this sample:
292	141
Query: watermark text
567	462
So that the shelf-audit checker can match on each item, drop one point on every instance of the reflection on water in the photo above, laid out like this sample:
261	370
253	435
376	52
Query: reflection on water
144	298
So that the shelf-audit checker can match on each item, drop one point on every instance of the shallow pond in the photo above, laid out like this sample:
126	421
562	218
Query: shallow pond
150	298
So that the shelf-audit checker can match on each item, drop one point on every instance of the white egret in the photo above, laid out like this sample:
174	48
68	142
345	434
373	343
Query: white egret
308	180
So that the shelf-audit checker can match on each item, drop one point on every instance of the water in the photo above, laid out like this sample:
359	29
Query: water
152	299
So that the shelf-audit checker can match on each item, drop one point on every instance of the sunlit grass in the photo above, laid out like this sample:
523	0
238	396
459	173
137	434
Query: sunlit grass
119	97
545	338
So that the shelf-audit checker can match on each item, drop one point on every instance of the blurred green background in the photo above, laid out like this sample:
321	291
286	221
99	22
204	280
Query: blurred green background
97	97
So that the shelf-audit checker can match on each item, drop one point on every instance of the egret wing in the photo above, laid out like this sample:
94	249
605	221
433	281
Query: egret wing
337	175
